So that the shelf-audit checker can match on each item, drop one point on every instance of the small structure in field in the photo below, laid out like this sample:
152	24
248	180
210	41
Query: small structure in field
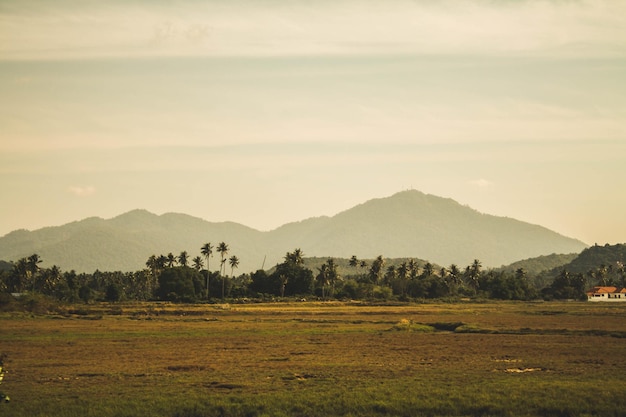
606	294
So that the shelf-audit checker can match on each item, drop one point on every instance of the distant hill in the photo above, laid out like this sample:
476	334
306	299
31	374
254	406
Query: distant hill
610	258
534	266
406	224
597	256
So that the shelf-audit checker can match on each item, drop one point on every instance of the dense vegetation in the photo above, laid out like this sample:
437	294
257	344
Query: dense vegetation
180	278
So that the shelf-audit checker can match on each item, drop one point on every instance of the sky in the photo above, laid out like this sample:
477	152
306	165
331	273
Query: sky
271	111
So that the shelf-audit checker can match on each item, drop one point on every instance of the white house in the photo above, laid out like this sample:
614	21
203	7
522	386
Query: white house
606	294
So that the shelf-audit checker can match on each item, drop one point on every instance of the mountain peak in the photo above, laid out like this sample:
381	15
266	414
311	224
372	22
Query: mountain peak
407	224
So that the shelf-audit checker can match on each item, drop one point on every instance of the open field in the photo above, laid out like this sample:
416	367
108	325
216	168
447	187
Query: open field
318	359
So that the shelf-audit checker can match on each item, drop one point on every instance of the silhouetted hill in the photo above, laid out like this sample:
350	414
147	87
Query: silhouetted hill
534	266
413	224
597	256
608	258
407	224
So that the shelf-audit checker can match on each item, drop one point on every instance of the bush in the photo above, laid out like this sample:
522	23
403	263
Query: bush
9	303
178	284
113	292
39	304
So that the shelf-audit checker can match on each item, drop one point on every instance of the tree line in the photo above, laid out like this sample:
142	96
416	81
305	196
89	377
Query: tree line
185	279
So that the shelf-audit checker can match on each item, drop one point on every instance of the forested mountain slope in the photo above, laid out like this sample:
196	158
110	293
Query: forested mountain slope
406	224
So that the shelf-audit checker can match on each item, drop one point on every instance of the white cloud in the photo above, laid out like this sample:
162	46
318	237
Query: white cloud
481	183
301	28
82	191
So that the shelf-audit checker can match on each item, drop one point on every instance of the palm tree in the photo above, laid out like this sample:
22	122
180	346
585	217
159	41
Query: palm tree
322	278
233	261
222	249
621	271
428	270
33	263
32	267
197	263
296	257
376	270
183	258
151	263
171	259
403	274
48	279
363	266
207	251
161	261
413	269
452	278
283	283
391	275
473	274
333	275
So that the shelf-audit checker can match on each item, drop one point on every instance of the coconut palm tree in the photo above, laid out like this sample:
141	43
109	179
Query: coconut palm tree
376	270
171	260
428	270
283	283
391	275
207	251
322	278
233	261
472	273
222	249
32	267
183	258
403	274
151	263
296	257
333	275
33	263
197	263
363	266
413	269
20	276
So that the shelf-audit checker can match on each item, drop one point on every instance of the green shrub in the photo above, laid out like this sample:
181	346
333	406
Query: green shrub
9	303
408	326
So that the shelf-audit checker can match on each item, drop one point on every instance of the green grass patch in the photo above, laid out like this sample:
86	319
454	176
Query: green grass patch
406	325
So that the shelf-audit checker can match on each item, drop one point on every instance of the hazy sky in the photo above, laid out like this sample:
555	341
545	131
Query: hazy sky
265	112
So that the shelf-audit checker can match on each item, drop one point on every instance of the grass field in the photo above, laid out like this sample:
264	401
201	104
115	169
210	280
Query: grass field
318	359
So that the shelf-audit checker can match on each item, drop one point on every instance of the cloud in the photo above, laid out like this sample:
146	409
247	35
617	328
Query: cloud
481	183
300	28
81	191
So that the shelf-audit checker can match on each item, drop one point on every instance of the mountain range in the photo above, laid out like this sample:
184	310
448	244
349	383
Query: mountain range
406	224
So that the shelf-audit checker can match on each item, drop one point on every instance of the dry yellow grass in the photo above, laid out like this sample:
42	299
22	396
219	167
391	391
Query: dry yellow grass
170	357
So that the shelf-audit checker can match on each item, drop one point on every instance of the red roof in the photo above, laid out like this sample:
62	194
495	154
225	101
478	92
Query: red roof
605	290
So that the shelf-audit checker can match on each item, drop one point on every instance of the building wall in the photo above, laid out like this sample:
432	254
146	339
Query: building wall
608	297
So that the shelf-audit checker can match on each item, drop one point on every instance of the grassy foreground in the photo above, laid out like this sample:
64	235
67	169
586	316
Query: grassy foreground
324	359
